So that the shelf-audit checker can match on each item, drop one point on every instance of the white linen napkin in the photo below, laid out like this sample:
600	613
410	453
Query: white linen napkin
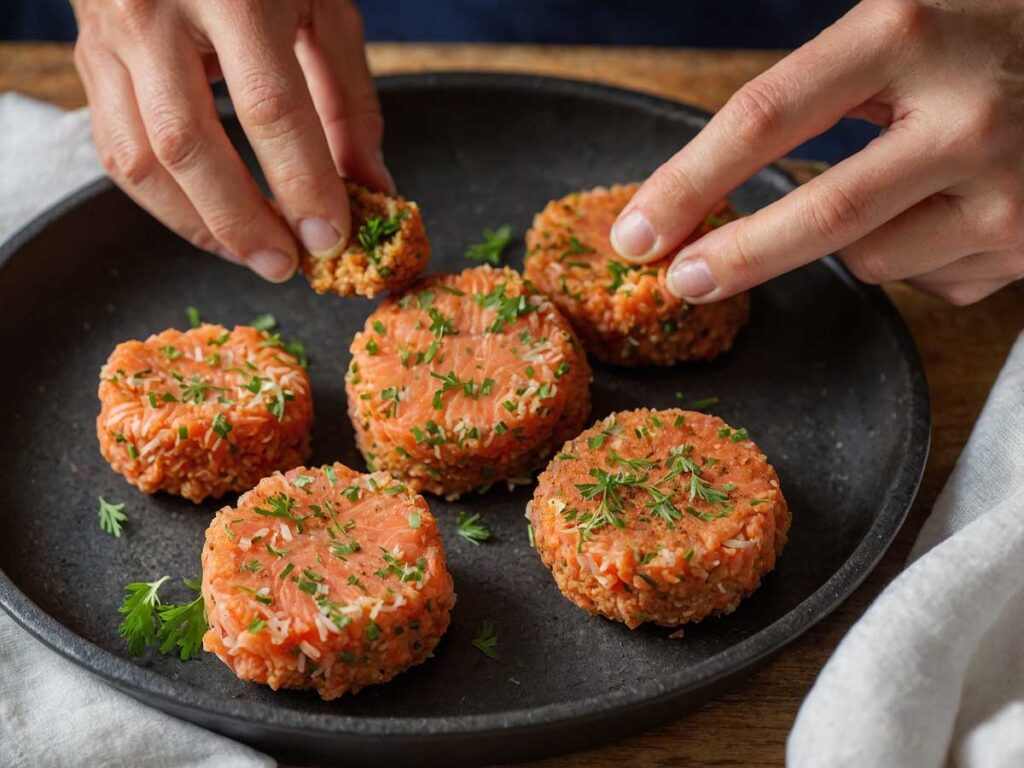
52	713
933	673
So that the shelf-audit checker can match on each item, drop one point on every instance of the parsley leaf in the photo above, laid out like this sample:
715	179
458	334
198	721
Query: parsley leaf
486	640
494	244
183	625
471	530
139	608
111	517
377	229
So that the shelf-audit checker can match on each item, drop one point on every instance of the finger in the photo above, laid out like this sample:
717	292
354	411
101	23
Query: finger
935	232
960	294
798	98
828	213
979	267
273	104
332	53
189	141
127	157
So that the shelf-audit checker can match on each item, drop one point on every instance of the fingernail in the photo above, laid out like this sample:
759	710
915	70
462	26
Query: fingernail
633	236
271	264
317	235
690	279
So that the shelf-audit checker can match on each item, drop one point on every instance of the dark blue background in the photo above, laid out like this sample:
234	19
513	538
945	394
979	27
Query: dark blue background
695	23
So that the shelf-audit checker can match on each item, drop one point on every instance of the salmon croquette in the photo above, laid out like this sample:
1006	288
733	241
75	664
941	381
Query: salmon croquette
203	412
388	248
466	380
659	516
624	314
325	579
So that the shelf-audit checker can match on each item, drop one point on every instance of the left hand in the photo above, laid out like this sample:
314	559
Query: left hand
937	200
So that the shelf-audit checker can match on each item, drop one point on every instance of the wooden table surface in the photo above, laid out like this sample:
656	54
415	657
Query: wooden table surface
963	349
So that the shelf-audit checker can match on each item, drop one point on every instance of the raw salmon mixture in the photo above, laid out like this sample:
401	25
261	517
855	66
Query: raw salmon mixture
327	579
659	516
203	412
624	314
465	380
388	248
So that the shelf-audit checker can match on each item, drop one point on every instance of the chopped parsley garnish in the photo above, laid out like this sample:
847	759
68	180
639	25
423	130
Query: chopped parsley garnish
562	369
194	320
415	519
332	478
265	322
111	517
221	426
372	347
509	308
494	244
404	571
609	431
441	325
486	640
617	270
376	230
471	529
172	353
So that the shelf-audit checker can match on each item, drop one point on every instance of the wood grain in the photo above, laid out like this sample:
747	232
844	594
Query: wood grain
962	348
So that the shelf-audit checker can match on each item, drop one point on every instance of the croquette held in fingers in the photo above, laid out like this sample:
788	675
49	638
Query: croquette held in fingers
387	249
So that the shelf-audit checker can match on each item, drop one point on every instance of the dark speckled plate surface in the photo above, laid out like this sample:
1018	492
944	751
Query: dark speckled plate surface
825	378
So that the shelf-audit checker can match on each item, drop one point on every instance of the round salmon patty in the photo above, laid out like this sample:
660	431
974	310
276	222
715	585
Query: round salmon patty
465	380
388	248
624	314
202	412
327	579
659	516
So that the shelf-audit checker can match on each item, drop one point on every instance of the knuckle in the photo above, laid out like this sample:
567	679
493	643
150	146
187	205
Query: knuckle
833	215
129	161
868	268
350	17
1007	223
132	16
176	140
899	20
745	260
304	183
756	112
229	225
267	105
672	187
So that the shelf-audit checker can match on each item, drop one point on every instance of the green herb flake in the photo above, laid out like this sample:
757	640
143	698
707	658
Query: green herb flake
111	517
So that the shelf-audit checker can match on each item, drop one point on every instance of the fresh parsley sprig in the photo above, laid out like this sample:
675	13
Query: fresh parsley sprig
486	640
147	620
471	529
491	249
111	517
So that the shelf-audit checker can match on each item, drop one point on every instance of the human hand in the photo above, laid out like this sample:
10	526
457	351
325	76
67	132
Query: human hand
937	200
302	90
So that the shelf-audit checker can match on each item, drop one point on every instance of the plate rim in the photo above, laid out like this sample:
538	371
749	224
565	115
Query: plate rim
149	685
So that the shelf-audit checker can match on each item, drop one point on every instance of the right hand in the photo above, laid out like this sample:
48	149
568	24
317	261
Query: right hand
301	87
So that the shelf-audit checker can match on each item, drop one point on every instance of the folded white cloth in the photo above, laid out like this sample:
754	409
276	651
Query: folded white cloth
52	713
933	673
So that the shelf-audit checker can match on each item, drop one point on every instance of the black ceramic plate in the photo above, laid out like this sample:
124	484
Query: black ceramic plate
825	378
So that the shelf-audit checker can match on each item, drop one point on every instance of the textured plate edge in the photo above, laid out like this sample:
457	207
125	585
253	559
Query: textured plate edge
744	656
